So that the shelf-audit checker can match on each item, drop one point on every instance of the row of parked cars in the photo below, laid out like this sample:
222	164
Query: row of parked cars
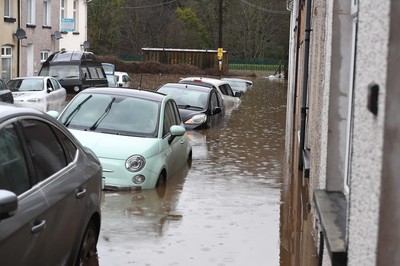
54	164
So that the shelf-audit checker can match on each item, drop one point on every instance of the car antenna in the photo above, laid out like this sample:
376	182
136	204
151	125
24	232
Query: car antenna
140	84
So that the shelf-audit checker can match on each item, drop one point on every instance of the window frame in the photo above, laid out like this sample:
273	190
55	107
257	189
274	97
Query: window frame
8	8
6	55
30	12
46	12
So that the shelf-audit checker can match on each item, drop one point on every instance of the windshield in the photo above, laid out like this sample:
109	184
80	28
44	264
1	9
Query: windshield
112	114
61	72
25	85
187	98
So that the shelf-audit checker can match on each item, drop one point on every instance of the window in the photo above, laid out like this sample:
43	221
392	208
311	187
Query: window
7	8
47	154
30	12
62	9
6	59
44	55
170	118
13	170
46	13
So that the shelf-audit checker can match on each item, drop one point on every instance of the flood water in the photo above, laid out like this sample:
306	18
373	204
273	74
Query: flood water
228	208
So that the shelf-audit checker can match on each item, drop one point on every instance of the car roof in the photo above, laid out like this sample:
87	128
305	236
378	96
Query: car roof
191	86
10	110
128	92
213	81
120	73
32	77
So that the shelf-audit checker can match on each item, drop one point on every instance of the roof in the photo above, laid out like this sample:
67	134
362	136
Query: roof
191	86
126	92
7	110
213	81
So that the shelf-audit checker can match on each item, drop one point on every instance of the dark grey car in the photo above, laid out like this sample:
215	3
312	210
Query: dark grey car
50	192
5	93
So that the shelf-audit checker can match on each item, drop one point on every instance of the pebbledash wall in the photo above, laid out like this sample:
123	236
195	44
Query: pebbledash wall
342	136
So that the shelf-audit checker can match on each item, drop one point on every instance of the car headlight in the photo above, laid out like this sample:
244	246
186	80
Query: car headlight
197	119
135	163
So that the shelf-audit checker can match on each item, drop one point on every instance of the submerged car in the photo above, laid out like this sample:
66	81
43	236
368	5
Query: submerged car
138	135
5	94
238	84
123	79
230	98
199	106
41	93
50	191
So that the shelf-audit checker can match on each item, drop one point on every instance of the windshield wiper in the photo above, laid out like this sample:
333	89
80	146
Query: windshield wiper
188	106
73	113
106	111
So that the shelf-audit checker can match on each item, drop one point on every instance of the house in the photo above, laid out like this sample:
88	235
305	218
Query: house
343	131
8	39
34	29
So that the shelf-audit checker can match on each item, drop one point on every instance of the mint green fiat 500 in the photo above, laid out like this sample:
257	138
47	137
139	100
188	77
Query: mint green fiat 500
138	135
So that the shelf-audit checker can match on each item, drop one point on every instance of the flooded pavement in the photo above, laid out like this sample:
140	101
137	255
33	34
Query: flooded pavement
228	208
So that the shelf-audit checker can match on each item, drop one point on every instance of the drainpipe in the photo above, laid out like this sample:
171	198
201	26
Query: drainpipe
305	83
18	41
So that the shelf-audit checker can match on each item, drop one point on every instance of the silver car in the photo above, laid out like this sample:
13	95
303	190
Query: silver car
50	192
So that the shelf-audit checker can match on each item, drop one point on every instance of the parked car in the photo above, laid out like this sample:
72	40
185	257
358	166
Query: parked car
75	70
49	206
123	79
199	106
41	93
230	98
5	93
138	135
238	84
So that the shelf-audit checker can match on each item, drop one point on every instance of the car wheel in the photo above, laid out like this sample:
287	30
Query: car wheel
208	121
161	185
189	160
87	249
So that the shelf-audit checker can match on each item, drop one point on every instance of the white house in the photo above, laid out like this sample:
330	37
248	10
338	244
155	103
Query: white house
343	130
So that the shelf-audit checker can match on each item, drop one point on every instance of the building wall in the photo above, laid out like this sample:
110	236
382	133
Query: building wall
39	37
73	40
7	37
349	53
371	67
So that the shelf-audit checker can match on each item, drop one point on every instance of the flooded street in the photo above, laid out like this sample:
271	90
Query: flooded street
225	209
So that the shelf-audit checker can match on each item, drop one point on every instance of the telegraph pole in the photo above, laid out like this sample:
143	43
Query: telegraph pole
220	49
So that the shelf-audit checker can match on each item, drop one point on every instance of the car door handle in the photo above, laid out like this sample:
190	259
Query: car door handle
81	193
182	141
38	225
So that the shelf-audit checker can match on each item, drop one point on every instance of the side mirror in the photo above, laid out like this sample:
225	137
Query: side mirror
175	132
53	114
8	204
217	110
238	94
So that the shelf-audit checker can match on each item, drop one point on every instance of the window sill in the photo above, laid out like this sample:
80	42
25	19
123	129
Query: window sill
46	27
332	212
75	33
10	20
30	25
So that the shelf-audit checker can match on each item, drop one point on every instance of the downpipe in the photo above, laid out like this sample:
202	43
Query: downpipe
305	84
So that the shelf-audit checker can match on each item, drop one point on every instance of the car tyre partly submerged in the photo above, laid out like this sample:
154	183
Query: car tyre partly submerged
88	250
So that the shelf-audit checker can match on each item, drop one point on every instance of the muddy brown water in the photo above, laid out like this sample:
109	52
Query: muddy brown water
225	209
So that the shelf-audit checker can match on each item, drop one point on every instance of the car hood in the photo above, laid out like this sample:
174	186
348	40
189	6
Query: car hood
187	113
117	146
27	95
